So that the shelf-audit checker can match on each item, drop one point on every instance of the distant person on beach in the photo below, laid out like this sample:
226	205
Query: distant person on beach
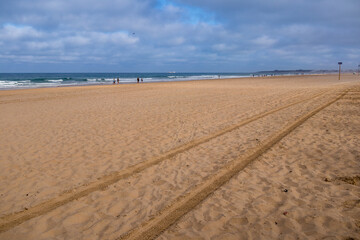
114	81
142	80
138	80
118	81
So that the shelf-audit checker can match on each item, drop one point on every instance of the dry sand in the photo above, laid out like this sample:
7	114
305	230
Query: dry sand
96	162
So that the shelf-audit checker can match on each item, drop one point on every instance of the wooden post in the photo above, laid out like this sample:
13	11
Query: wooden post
339	68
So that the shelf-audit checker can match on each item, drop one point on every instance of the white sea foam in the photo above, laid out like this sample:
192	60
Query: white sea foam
100	79
24	83
204	77
6	84
128	80
235	76
46	83
55	80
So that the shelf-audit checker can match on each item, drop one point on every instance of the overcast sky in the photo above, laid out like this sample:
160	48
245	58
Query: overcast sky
178	35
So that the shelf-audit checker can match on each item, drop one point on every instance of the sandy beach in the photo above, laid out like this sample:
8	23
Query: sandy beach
248	158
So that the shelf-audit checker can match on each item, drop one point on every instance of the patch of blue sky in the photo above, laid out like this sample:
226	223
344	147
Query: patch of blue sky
192	15
8	24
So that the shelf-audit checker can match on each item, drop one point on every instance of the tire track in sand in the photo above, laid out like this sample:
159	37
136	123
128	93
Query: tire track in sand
184	204
9	221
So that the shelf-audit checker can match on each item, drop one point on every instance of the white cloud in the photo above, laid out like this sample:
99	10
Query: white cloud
178	41
223	47
45	45
115	38
77	40
298	29
13	32
265	41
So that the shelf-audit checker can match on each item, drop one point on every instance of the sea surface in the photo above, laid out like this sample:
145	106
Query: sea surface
38	80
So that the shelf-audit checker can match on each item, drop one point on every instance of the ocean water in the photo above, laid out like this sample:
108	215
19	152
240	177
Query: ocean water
38	80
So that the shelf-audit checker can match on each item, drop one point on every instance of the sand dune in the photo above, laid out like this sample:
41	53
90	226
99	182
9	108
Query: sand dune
145	146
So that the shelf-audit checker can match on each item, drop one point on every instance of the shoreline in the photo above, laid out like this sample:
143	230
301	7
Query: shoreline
160	81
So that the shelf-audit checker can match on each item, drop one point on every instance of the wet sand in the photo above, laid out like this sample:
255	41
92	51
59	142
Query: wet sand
97	162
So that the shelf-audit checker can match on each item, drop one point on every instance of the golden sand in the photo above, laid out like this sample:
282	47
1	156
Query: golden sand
105	162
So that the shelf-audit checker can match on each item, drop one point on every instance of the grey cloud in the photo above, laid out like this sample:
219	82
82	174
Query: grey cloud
134	35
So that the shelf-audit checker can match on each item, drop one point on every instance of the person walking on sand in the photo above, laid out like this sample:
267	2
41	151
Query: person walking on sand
142	80
114	81
138	80
118	80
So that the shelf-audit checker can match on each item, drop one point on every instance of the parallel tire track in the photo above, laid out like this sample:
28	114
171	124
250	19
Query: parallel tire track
11	220
183	204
